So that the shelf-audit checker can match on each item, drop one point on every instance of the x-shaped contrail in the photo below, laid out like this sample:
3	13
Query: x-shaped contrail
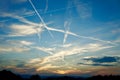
54	29
44	24
66	26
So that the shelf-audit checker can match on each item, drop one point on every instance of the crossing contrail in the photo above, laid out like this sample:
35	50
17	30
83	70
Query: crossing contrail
44	24
80	36
22	19
66	26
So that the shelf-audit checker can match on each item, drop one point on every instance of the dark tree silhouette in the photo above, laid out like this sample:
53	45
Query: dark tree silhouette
8	75
35	77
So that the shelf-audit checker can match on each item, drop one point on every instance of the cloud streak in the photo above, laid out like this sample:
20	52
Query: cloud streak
101	61
13	49
40	27
59	54
22	30
44	24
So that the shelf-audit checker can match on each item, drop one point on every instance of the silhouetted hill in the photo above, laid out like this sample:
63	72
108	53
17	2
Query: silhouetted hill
8	75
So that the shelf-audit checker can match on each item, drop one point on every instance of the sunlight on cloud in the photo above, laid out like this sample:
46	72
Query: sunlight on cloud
22	30
26	43
47	50
13	49
47	67
63	52
59	54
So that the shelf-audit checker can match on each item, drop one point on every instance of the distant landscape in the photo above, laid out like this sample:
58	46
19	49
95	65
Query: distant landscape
8	75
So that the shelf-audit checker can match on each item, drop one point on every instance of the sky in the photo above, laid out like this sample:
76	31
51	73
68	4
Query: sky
64	37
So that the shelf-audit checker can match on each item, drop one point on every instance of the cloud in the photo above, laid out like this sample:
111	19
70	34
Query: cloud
116	31
26	43
46	7
40	17
13	49
66	26
101	61
19	1
43	25
22	19
20	42
36	60
16	46
105	59
47	67
22	30
46	50
95	64
83	9
117	40
59	54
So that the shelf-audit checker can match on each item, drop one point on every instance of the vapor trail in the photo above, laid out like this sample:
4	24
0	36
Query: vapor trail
80	36
66	26
46	8
44	24
38	34
54	29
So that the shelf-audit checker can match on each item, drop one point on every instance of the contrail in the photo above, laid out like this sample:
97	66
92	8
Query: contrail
67	22
38	34
46	7
66	26
80	36
40	17
56	30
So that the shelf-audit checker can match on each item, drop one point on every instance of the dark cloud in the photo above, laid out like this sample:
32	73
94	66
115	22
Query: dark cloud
105	59
102	61
96	64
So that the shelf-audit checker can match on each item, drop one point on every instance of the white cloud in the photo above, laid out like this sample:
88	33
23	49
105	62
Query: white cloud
42	25
66	45
26	43
46	67
47	50
36	60
22	19
13	49
22	30
60	53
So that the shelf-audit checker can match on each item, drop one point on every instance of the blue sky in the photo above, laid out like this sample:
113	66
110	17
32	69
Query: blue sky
74	37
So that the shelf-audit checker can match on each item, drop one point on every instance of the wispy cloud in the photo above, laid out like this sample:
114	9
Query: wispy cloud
83	9
47	67
105	59
59	54
117	31
13	49
22	19
16	46
40	28
41	19
46	50
46	7
19	1
66	26
22	30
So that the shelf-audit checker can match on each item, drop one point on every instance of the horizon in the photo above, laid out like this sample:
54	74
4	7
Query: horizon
62	37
